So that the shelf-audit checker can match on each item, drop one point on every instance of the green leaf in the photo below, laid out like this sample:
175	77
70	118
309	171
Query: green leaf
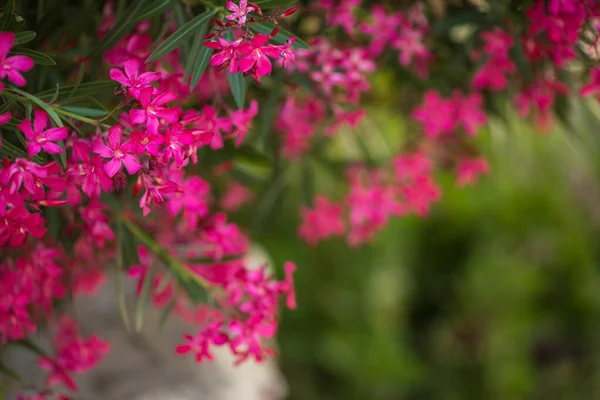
84	89
181	34
55	96
7	14
85	111
77	81
143	299
197	47
282	36
167	311
244	177
267	201
265	4
51	113
308	182
152	9
28	344
252	156
24	37
8	104
236	81
200	66
195	293
9	372
37	57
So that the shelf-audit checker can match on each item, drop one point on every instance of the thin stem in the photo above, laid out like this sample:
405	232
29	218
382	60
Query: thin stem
121	288
178	268
81	118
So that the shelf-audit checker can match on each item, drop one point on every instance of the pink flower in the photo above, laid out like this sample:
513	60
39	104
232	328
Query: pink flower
383	29
469	170
17	223
175	141
242	120
254	56
435	114
469	111
144	141
240	12
132	79
118	152
227	56
201	342
40	137
12	67
152	109
235	197
325	220
193	199
89	171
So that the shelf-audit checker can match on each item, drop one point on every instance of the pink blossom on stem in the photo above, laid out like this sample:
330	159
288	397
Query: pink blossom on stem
119	153
41	138
11	67
323	221
132	79
240	12
435	114
469	111
255	56
152	109
469	170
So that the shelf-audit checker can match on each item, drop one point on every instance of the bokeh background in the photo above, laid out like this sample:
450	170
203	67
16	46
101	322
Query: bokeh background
494	295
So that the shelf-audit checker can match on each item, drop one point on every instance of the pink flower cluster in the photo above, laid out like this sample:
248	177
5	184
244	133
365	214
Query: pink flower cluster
402	31
440	116
73	354
374	197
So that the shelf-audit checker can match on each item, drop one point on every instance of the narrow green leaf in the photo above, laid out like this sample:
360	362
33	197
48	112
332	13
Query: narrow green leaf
265	4
181	18
51	113
28	344
55	96
200	66
87	89
37	57
267	201
244	177
282	36
176	39
268	111
7	14
253	156
24	37
195	293
308	182
166	312
8	104
9	372
197	46
2	394
77	81
143	300
85	111
152	9
236	81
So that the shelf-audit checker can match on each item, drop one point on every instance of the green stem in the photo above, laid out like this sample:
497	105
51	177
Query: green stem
87	120
178	268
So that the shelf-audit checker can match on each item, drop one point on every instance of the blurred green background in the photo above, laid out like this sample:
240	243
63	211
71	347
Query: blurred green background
495	295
